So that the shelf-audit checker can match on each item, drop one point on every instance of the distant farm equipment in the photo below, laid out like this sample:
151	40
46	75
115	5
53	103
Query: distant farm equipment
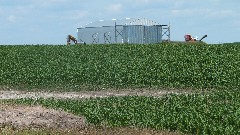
189	38
70	39
125	31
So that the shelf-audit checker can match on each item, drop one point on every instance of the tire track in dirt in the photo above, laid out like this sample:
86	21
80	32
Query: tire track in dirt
15	94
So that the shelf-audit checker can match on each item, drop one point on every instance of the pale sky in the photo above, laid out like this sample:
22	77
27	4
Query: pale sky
50	21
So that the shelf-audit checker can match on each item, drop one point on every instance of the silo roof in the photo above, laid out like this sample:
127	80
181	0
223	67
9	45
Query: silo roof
127	21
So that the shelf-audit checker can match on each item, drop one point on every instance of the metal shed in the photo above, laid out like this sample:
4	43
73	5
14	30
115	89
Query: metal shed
132	31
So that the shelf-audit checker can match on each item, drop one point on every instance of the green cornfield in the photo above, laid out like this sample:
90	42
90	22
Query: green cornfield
195	66
215	68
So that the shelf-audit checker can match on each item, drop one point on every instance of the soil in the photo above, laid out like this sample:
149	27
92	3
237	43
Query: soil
15	94
20	116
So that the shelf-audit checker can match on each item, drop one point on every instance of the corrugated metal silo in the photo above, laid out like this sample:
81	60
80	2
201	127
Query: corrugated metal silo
132	31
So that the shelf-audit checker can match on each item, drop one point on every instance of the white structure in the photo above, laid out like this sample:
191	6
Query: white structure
132	31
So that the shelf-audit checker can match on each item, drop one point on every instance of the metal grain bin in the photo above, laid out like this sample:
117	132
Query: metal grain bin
139	34
132	31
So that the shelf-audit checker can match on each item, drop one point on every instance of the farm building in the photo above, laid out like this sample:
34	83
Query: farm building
131	31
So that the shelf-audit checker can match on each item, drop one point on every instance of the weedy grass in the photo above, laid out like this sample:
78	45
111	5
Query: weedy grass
92	67
209	113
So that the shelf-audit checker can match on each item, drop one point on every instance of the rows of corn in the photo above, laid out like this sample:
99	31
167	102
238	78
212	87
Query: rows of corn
152	66
180	66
